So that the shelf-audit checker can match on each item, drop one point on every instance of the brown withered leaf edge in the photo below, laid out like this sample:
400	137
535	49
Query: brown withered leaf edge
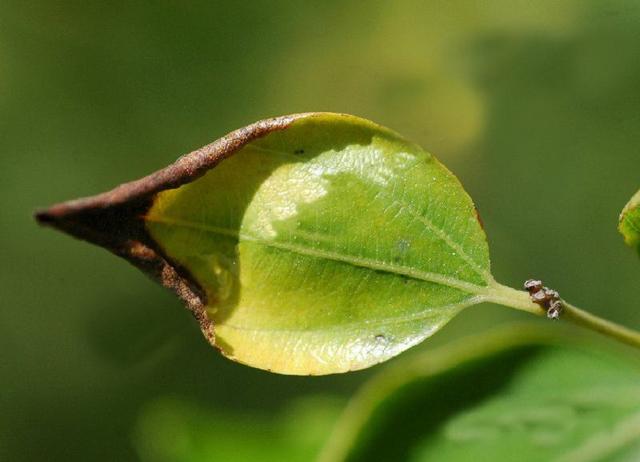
114	219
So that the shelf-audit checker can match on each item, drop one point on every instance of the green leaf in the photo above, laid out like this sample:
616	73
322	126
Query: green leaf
306	244
327	246
170	429
629	224
514	396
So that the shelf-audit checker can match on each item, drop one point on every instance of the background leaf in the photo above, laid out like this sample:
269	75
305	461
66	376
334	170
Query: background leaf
514	394
630	222
327	246
170	429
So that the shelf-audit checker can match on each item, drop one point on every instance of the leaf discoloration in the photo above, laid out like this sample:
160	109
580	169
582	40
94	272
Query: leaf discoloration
297	241
113	219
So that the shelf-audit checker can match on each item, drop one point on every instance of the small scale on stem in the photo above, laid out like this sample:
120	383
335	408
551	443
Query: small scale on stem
548	299
549	302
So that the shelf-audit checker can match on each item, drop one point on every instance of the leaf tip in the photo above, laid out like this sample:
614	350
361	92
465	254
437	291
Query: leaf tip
43	217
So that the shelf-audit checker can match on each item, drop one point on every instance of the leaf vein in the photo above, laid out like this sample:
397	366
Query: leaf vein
353	260
446	238
436	230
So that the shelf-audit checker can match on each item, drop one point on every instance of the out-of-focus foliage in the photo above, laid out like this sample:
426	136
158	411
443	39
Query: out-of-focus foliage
534	105
630	222
170	430
509	395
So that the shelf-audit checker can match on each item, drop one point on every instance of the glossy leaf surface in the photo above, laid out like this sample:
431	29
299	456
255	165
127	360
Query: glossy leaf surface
325	246
630	222
498	399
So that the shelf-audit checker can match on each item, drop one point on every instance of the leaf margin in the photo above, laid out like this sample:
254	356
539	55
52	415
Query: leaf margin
109	219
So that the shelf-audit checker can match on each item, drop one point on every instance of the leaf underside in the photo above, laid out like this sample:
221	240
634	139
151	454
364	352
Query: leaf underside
629	224
502	398
308	244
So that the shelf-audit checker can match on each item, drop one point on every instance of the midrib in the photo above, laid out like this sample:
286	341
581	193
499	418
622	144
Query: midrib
328	255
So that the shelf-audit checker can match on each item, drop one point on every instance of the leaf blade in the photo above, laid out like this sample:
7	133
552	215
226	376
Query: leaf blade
290	268
534	395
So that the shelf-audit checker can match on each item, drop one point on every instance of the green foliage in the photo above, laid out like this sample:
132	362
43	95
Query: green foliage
511	396
629	224
172	430
327	246
521	99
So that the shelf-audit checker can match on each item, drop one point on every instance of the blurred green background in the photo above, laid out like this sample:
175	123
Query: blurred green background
535	105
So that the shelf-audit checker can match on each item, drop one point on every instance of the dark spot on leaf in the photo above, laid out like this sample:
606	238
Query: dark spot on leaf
299	151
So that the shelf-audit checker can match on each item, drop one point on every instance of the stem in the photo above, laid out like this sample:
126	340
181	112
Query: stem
519	299
608	328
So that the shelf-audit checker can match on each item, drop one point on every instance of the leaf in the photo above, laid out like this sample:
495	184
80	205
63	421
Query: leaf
509	396
178	430
319	243
629	224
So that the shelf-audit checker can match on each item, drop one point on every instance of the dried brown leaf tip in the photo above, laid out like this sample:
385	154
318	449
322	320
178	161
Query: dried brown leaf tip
114	219
548	299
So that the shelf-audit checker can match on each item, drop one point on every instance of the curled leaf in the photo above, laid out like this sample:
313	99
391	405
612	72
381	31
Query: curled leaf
306	244
629	224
